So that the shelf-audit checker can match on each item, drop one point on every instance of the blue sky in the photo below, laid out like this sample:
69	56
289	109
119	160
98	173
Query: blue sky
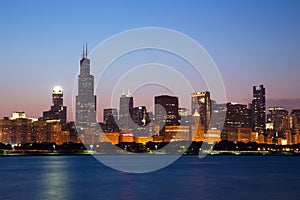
252	42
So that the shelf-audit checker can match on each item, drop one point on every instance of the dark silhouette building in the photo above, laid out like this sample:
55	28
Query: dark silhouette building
166	110
57	111
110	118
259	109
237	116
140	116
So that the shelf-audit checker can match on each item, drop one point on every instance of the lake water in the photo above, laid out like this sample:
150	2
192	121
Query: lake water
213	178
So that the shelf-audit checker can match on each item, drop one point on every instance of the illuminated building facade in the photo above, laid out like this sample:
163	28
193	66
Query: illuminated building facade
278	117
237	116
17	129
177	133
238	134
201	103
184	117
125	112
5	130
295	119
39	131
112	137
85	100
58	111
218	115
259	109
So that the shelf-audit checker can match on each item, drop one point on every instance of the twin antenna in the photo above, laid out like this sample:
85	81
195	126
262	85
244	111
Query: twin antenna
84	53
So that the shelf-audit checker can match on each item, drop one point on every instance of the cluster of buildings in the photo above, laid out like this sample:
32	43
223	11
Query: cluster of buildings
205	121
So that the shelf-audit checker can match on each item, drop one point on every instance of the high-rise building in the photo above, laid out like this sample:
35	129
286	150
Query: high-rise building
140	119
166	110
17	129
6	130
278	117
110	118
110	115
184	117
295	119
57	111
259	109
237	116
85	100
140	116
218	115
201	103
126	106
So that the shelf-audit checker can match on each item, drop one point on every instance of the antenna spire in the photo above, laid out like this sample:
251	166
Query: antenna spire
86	50
82	51
128	93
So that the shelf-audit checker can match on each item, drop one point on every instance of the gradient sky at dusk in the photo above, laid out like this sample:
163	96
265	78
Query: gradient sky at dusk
252	42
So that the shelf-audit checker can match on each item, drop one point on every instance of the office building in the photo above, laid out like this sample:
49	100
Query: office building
166	110
140	116
237	116
57	111
278	117
218	115
201	103
295	119
259	109
110	119
125	112
85	99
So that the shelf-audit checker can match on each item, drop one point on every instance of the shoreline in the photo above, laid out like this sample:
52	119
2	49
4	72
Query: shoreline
91	153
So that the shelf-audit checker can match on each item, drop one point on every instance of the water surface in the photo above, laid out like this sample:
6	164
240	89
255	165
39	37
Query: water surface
213	178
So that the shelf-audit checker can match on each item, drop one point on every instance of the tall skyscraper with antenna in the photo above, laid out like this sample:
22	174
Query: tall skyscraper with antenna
85	100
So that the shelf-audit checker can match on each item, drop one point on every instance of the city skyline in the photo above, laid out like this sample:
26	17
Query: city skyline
208	121
57	104
253	49
105	99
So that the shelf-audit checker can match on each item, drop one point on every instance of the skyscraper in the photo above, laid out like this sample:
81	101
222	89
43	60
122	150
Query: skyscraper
201	103
278	117
126	106
259	109
295	119
237	116
140	116
85	100
110	118
166	110
58	111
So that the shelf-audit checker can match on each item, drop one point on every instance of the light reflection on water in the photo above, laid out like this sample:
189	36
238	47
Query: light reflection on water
56	178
